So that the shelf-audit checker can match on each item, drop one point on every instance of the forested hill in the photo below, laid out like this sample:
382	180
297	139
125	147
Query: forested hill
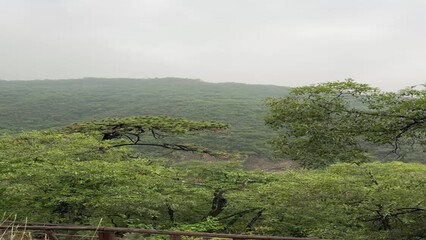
42	104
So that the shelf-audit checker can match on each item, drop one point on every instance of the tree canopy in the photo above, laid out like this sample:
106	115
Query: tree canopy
44	104
340	121
147	131
66	178
86	171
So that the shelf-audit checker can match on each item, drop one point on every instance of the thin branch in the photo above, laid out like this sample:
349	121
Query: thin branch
258	215
406	128
157	135
136	137
239	213
178	147
406	211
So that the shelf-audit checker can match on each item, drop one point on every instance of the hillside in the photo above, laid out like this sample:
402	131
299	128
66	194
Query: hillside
70	177
42	104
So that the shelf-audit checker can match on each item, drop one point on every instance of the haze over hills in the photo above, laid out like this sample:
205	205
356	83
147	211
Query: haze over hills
42	104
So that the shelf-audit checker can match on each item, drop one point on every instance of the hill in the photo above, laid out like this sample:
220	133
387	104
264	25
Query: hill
42	104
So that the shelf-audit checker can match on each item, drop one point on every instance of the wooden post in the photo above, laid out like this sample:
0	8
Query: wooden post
106	235
51	235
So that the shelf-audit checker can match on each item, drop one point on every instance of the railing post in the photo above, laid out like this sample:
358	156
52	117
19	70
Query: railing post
51	235
175	237
106	235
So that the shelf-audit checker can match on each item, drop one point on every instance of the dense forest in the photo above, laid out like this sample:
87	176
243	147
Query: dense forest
78	151
36	105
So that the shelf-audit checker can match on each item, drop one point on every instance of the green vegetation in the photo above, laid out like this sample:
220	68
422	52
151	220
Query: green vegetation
75	178
87	171
148	131
342	122
37	105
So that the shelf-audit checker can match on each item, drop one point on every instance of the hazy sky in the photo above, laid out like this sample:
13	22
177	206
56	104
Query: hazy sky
281	42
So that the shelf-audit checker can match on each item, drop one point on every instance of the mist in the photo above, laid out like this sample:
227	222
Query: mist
280	42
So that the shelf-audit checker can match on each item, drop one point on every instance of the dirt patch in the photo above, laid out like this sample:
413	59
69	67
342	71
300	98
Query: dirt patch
265	164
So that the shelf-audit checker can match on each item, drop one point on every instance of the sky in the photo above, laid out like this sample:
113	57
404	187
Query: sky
280	42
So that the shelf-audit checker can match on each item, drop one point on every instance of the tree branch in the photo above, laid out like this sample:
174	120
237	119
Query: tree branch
258	215
178	147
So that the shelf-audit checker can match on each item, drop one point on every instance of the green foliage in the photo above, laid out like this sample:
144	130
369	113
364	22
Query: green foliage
75	178
347	201
62	173
68	175
143	124
148	131
209	225
340	121
35	105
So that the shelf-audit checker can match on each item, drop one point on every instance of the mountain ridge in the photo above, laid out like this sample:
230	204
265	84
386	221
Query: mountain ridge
43	104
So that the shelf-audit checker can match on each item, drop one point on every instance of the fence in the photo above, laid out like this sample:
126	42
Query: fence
50	232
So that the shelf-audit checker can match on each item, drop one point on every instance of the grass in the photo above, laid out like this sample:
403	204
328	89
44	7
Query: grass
11	230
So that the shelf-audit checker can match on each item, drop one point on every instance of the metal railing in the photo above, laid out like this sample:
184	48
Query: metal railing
50	232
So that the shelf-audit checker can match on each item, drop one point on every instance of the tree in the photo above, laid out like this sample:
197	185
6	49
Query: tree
340	121
73	175
348	201
147	131
75	178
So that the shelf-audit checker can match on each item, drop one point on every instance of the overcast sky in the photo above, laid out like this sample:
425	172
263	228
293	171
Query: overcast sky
281	42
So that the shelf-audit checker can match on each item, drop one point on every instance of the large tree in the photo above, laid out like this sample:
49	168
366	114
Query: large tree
75	178
340	121
148	131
